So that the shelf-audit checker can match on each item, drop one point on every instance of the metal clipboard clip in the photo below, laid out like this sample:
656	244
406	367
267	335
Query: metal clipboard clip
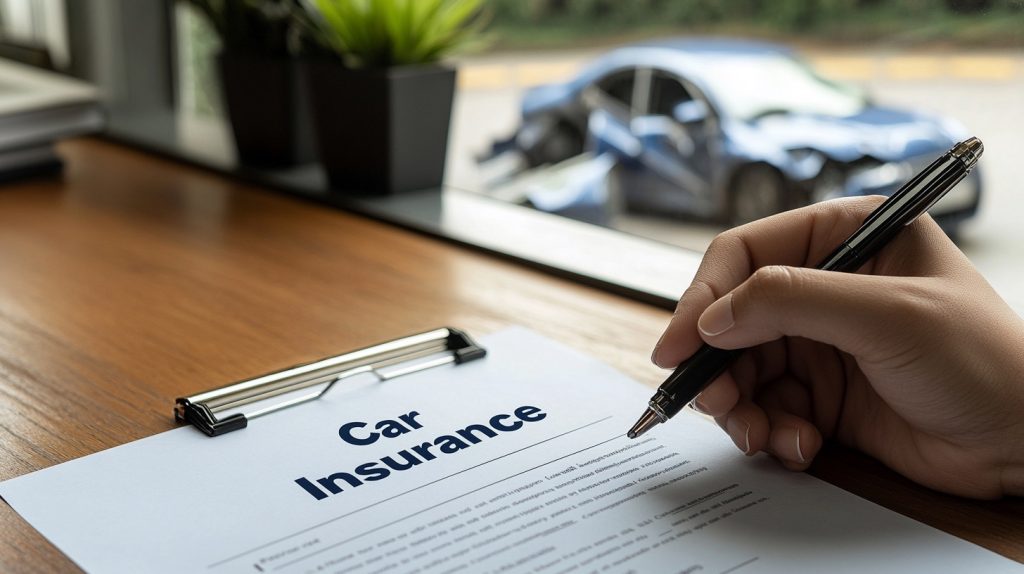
438	347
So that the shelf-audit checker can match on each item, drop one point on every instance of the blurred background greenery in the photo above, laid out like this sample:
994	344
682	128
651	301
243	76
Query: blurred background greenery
568	23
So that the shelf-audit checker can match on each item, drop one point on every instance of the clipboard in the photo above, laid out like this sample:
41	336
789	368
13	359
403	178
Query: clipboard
386	361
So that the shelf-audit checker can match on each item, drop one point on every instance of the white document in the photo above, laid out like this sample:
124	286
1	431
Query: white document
514	463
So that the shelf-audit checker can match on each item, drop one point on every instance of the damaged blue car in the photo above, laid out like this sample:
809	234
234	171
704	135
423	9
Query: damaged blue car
727	131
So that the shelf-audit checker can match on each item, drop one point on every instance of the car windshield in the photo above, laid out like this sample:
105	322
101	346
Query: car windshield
750	87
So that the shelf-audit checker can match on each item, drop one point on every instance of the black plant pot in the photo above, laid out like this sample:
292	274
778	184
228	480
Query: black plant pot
381	131
268	110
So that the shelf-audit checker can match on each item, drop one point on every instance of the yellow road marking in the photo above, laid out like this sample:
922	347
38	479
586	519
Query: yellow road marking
538	73
983	67
913	67
845	67
494	76
484	77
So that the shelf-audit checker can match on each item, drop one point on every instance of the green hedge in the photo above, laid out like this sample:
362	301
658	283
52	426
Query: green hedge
998	21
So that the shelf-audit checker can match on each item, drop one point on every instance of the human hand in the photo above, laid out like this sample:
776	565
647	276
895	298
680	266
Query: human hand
914	359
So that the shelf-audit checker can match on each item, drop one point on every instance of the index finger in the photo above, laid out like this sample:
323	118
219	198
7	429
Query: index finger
796	238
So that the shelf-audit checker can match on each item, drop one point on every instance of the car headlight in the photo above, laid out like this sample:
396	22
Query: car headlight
883	175
886	178
806	162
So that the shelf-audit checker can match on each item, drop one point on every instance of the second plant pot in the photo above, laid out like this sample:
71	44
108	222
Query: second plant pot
381	131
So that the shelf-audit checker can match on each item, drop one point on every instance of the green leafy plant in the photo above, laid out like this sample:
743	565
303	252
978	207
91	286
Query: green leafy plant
263	27
384	33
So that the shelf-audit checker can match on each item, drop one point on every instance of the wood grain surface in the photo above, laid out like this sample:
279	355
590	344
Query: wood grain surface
133	280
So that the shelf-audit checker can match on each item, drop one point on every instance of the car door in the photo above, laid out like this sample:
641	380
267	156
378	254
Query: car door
675	130
611	103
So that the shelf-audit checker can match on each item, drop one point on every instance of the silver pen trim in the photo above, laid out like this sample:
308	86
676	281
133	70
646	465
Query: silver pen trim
968	151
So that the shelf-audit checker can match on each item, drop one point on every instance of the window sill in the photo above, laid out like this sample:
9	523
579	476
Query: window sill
624	264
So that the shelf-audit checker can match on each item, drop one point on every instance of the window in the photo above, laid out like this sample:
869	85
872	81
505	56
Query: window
839	98
34	32
666	93
618	86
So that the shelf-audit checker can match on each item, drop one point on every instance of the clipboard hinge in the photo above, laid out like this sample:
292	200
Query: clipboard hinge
208	411
200	416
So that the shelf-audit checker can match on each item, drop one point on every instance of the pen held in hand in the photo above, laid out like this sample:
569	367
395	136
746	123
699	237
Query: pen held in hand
904	206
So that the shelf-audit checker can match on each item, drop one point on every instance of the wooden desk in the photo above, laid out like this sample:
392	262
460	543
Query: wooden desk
135	280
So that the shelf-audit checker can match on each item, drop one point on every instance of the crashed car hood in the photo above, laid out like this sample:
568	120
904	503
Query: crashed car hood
883	133
545	97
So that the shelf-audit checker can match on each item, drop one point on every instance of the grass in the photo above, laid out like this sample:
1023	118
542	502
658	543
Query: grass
875	28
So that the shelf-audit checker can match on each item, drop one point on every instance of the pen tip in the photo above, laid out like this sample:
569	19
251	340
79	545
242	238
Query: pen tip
969	151
644	424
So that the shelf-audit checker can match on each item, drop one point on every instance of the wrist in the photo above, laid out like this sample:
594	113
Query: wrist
1011	474
1013	481
1011	470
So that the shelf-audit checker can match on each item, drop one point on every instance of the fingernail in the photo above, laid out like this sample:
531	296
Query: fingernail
717	318
739	432
699	407
799	451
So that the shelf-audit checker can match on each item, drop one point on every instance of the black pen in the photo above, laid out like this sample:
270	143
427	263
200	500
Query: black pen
903	207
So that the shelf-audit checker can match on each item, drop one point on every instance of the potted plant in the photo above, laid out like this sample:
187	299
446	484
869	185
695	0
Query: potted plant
260	81
381	100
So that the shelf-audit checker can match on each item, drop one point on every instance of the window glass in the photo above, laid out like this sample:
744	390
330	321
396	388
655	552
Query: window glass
34	32
666	93
810	101
619	87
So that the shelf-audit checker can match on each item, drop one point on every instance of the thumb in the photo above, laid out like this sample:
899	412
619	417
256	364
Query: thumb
859	314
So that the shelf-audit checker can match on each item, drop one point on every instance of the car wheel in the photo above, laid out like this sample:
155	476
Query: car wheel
829	184
561	143
757	191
